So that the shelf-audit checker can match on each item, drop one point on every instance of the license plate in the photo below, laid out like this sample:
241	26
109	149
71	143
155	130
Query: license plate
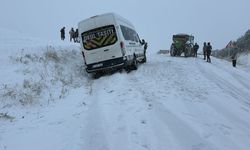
97	65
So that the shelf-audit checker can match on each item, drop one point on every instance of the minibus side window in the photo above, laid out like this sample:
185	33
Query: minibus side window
129	34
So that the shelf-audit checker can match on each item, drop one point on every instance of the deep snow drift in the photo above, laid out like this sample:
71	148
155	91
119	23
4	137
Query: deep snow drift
47	102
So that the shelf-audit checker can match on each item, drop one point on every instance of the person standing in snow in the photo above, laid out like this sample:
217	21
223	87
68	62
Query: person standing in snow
208	51
204	50
76	36
71	34
62	33
234	60
145	50
143	42
196	47
145	47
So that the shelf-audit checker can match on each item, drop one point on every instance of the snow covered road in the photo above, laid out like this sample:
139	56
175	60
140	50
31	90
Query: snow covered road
171	103
168	103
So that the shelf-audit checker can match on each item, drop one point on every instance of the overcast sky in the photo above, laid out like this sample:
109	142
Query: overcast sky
217	21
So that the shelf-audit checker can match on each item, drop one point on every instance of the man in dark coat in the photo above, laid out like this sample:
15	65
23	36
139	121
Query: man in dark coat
71	34
196	47
204	50
208	51
62	33
76	36
234	60
145	47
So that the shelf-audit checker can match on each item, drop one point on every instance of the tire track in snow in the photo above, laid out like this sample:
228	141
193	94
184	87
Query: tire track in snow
93	134
110	124
184	135
228	88
240	78
176	129
171	119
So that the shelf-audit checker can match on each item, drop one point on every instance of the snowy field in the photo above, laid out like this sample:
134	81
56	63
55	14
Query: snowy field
47	102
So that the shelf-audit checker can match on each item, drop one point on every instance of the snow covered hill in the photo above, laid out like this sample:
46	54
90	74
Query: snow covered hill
47	102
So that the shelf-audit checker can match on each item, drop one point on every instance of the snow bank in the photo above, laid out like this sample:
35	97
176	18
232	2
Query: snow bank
244	59
39	74
34	71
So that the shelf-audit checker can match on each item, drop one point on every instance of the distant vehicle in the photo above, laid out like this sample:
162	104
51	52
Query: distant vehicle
182	43
108	42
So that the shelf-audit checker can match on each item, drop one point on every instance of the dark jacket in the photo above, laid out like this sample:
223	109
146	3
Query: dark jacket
204	48
62	31
145	46
196	47
209	49
76	33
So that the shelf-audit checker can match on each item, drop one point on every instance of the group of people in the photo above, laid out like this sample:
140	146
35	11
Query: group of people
73	34
207	50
